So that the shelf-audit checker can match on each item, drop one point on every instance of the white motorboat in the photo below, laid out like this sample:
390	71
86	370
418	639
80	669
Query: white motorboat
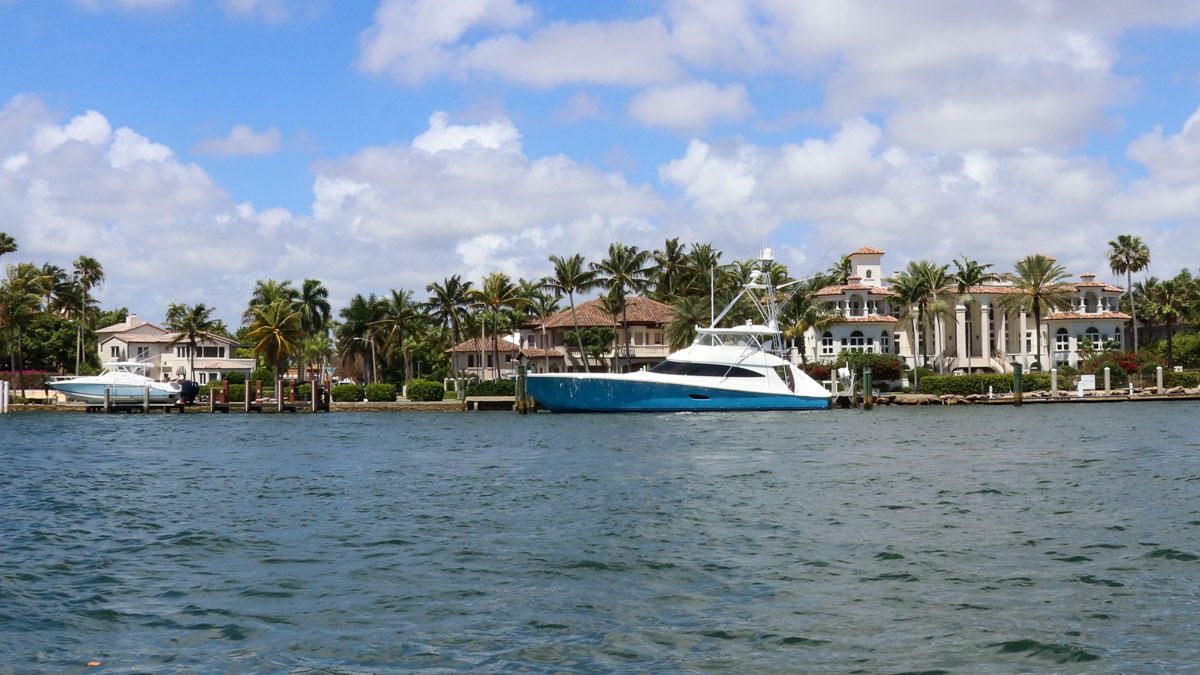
735	368
125	381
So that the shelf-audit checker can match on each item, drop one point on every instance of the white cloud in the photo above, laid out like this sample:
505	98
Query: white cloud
242	140
497	134
1174	160
690	107
580	106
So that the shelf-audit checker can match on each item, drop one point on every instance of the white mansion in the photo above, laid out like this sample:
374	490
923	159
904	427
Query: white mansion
136	340
981	338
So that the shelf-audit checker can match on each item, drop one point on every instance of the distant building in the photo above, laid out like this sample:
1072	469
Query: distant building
474	358
546	348
136	340
868	320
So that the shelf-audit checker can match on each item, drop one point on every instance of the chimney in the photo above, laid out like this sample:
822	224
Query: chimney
1087	277
132	320
854	280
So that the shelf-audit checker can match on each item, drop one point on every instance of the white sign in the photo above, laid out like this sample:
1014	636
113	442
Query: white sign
1087	382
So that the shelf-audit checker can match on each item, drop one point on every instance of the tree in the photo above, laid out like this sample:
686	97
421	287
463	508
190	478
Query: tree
805	312
669	261
497	292
190	322
1128	254
839	272
917	286
1039	289
967	274
1171	301
20	299
276	332
89	274
624	271
447	305
267	293
401	316
541	307
313	302
688	312
908	292
7	244
570	277
699	271
355	336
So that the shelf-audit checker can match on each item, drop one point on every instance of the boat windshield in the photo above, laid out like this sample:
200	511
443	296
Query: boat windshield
703	370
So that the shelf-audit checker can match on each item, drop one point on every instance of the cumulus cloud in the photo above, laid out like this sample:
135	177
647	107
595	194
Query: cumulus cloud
497	134
241	140
690	107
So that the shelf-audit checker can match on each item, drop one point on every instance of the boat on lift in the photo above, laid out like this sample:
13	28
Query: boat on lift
125	381
724	369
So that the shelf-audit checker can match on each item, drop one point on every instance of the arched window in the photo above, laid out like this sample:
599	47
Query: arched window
867	275
1062	345
1090	303
1094	335
884	343
857	342
827	344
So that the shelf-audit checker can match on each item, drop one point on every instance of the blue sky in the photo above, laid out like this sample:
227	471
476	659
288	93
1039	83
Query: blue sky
382	144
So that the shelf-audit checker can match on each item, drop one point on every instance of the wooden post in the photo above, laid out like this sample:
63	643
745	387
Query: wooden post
1053	382
3	396
1158	375
313	394
278	395
107	400
145	399
246	394
1107	381
212	400
868	399
258	390
224	391
1017	384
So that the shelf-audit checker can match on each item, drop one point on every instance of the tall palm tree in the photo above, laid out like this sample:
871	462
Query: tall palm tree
497	292
447	305
1172	301
317	349
267	293
839	272
313	302
914	287
1128	254
401	315
190	321
21	293
936	278
89	274
805	312
699	271
355	335
909	292
624	272
969	273
276	332
7	243
687	312
669	261
1039	289
571	276
541	307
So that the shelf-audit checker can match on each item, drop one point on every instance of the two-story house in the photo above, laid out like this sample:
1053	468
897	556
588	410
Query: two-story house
546	348
137	340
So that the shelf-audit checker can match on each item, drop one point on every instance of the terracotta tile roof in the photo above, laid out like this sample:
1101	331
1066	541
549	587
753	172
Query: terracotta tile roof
874	318
473	345
1097	284
640	310
533	353
980	290
1081	315
867	250
245	364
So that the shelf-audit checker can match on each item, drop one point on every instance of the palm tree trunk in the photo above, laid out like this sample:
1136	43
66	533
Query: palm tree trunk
495	343
1170	344
625	331
1132	308
578	337
79	340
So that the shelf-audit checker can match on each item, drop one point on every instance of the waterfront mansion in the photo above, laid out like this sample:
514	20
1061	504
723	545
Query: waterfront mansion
137	340
980	338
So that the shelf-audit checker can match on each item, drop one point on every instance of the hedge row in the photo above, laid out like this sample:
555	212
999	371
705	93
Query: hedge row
380	392
424	390
965	385
492	388
346	393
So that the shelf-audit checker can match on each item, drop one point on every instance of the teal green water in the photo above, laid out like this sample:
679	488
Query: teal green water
957	539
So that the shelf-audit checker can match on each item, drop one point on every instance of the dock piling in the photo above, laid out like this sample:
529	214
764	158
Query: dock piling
3	396
146	399
1054	382
868	398
1158	377
1107	381
107	400
1017	384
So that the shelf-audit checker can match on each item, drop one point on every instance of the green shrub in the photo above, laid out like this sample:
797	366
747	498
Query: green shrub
236	378
304	392
1174	379
884	367
237	392
492	388
265	374
380	392
1001	383
346	393
424	390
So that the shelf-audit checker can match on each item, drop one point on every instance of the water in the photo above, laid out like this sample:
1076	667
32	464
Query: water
1048	538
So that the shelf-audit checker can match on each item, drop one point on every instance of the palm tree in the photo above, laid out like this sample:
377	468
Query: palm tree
1171	301
935	278
1039	289
613	304
916	287
624	271
20	299
571	277
89	274
356	336
317	349
447	306
909	291
190	322
267	293
541	307
497	292
699	271
1128	254
400	318
839	272
277	333
687	312
969	273
670	261
7	243
313	303
805	312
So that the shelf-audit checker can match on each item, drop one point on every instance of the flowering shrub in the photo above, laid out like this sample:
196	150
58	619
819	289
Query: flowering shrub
817	371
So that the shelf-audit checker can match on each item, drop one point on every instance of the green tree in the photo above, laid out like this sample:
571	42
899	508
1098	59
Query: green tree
839	272
804	312
669	262
276	333
447	304
20	300
496	293
541	307
1172	301
267	293
687	313
967	275
401	317
191	322
313	301
1039	288
89	274
7	243
571	276
1128	254
356	336
624	272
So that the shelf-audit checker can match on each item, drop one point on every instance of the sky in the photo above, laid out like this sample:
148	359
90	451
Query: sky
196	146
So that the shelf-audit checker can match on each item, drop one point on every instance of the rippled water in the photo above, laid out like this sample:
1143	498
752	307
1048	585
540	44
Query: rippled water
1048	538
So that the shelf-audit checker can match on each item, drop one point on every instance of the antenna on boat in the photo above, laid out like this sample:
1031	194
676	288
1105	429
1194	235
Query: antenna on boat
712	297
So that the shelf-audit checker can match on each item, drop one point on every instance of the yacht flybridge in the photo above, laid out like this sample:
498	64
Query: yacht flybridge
728	368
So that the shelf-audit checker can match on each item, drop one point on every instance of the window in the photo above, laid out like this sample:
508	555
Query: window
884	345
856	341
867	275
470	360
115	352
143	353
1094	335
203	378
702	370
827	344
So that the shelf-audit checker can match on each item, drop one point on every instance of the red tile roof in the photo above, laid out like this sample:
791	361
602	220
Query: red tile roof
871	290
473	345
532	353
874	318
1080	315
640	311
867	250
